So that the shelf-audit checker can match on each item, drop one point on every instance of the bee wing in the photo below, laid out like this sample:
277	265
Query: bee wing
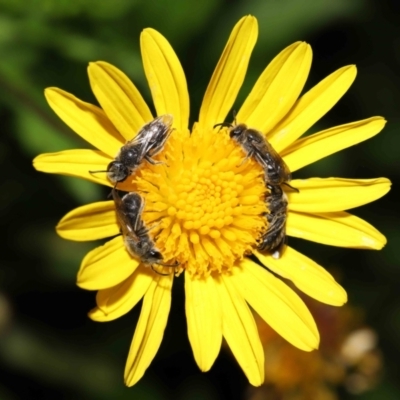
286	174
145	146
138	223
154	130
122	218
267	155
128	217
142	142
139	138
277	223
166	119
160	142
132	208
133	237
161	129
151	137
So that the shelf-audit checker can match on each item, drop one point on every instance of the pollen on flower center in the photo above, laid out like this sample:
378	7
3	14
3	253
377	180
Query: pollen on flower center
205	203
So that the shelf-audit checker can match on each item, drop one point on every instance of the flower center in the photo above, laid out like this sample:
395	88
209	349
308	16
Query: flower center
204	203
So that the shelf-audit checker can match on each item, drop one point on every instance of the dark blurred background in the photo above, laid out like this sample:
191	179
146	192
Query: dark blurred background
49	349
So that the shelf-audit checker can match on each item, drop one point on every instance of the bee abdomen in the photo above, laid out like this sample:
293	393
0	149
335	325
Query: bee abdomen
274	238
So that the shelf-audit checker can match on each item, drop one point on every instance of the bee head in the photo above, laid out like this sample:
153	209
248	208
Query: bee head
153	256
237	131
117	171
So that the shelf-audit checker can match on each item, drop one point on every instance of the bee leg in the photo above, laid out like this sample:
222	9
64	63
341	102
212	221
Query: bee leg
291	187
153	226
223	125
170	265
249	154
157	272
165	265
153	162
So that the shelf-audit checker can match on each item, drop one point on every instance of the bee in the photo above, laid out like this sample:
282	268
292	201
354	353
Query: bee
255	145
274	239
276	173
147	143
136	236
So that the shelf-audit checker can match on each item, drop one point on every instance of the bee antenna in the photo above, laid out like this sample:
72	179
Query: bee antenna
234	116
223	124
95	172
291	187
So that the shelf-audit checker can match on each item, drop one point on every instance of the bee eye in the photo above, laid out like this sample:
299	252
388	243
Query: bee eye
235	132
111	165
115	166
155	254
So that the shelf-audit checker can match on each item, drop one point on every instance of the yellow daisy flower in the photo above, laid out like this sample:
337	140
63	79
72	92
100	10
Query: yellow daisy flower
206	206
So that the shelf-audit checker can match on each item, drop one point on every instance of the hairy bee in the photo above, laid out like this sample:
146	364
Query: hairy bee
255	145
274	239
136	236
147	143
276	173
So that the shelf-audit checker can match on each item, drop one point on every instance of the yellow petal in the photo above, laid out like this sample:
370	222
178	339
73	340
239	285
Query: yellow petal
119	98
166	78
277	88
75	163
90	222
311	107
229	73
312	148
87	120
203	314
97	315
116	301
335	194
106	266
278	305
307	275
240	331
335	229
150	328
